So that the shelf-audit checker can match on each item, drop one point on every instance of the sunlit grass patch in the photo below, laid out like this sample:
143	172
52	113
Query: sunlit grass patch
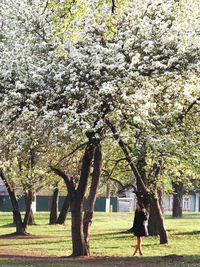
108	236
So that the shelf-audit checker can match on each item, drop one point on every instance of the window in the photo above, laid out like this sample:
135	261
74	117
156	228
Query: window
186	203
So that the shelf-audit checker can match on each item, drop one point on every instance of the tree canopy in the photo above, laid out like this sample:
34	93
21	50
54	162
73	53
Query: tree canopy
145	76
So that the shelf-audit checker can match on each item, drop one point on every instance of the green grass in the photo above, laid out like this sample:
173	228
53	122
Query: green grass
107	238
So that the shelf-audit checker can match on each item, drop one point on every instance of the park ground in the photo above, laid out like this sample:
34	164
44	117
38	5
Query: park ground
10	257
50	246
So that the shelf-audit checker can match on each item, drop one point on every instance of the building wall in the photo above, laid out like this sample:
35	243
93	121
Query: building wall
189	203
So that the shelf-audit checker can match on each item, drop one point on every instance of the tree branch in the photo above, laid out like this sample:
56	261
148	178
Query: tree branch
68	182
116	162
113	6
120	183
131	163
188	109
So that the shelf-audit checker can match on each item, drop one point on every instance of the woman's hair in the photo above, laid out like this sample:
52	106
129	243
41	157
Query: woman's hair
141	204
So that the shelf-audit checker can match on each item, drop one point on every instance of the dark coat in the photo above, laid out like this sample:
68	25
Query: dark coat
140	223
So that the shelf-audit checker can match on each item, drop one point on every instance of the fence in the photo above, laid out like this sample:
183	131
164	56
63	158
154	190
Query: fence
43	203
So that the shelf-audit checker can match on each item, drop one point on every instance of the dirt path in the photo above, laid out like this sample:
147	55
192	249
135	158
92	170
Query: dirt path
35	258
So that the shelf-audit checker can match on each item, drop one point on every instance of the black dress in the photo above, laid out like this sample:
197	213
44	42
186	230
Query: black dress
140	224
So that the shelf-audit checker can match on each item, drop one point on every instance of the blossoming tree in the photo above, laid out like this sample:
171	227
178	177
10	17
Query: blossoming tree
133	78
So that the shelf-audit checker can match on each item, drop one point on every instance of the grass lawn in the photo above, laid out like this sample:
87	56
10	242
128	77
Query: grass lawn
108	238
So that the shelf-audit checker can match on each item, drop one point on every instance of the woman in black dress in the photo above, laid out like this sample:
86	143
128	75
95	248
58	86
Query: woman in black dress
140	225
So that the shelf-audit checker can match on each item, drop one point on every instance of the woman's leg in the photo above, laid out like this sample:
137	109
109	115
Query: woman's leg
140	244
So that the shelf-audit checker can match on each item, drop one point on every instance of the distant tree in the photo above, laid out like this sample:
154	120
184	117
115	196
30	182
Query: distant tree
54	205
177	199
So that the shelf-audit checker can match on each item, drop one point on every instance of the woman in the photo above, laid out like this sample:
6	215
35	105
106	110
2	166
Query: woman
140	224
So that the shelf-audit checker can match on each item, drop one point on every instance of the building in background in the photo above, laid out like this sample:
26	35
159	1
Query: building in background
124	202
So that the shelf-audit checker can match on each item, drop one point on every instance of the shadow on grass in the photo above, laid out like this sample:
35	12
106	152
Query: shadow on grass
111	235
34	243
115	235
188	233
27	236
8	225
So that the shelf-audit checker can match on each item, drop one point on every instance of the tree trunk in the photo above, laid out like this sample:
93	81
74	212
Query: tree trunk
87	221
54	207
28	200
78	242
76	196
154	225
29	197
159	218
31	220
161	200
20	230
64	211
177	199
16	212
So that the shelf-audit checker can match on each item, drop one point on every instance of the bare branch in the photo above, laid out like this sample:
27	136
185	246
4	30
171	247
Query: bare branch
188	109
115	165
62	175
130	161
113	6
71	153
128	185
120	183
